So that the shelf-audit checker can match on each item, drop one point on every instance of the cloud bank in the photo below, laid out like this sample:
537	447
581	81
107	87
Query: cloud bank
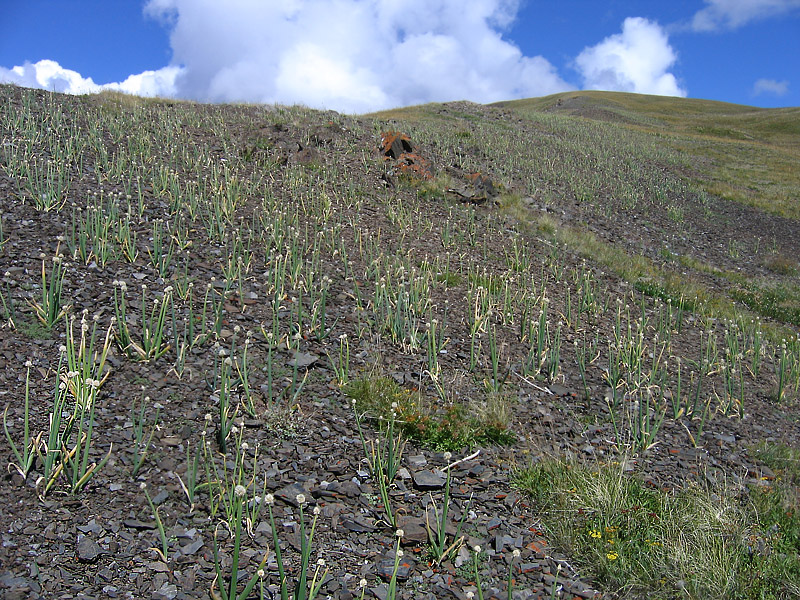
364	55
49	75
636	60
350	55
770	86
732	14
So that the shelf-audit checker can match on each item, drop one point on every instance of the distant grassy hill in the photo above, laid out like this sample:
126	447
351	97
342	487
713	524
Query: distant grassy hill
741	153
685	198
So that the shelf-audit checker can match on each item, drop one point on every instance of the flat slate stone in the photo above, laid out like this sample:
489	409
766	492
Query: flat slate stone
87	549
428	480
386	568
290	492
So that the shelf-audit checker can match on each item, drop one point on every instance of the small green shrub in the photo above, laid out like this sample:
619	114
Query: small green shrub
452	428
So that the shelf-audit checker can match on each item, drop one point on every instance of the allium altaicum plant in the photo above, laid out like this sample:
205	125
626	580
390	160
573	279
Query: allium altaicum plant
162	534
141	438
69	441
383	457
50	309
27	453
302	589
152	344
231	592
437	535
85	364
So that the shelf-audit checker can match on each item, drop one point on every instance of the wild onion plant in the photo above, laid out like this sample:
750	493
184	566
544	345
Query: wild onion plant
50	310
163	552
26	455
234	526
69	439
141	438
152	343
383	456
341	367
441	547
303	589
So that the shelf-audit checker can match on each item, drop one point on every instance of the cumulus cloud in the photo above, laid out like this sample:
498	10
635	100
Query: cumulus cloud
49	75
731	14
350	55
770	86
636	60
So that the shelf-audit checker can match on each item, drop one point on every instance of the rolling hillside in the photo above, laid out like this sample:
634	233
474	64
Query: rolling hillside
545	348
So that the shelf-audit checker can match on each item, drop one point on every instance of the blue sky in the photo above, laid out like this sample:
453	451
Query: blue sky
362	55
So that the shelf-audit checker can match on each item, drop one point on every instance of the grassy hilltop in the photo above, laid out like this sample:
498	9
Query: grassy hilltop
547	348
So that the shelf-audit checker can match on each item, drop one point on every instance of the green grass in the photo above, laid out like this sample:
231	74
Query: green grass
450	428
643	542
33	329
747	154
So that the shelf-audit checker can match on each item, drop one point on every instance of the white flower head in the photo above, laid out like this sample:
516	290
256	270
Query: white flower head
269	499
239	491
399	533
516	553
301	498
477	549
317	511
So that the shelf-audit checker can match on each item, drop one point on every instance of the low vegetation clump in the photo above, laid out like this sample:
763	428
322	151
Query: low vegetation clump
644	542
450	428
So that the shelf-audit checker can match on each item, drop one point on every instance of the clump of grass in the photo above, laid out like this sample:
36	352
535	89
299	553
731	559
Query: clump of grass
782	265
781	458
694	543
451	428
781	302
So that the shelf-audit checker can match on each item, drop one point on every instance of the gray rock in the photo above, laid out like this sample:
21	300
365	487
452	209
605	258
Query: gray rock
414	531
87	549
428	480
168	591
416	461
290	492
404	568
303	360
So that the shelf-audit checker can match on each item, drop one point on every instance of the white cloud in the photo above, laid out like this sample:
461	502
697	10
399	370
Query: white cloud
770	86
731	14
148	83
636	60
350	55
49	75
